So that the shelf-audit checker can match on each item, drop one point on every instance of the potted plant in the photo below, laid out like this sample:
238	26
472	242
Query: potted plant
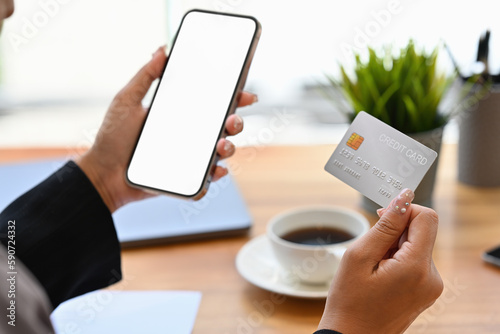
403	90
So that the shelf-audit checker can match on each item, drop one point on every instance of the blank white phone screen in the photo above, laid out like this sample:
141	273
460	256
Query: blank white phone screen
191	102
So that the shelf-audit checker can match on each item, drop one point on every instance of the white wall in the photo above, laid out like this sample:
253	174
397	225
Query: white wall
62	76
65	49
89	49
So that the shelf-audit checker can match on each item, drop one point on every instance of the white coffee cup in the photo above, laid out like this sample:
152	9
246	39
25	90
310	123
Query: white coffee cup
313	264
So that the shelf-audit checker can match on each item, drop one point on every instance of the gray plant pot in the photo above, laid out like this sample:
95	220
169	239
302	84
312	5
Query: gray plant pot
479	142
423	193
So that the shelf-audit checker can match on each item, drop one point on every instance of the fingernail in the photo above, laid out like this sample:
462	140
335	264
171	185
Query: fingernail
401	203
238	123
228	146
255	98
380	212
161	49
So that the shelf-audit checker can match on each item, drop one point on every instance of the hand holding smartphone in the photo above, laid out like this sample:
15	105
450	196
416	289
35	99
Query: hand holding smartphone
205	72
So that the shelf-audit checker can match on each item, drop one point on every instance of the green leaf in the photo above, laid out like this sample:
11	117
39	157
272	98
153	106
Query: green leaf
412	110
382	102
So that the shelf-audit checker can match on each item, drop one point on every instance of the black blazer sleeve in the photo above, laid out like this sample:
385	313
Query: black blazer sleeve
65	235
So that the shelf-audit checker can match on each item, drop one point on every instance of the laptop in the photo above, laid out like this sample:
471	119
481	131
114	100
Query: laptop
222	212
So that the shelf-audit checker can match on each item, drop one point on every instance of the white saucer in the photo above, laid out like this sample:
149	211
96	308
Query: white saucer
256	263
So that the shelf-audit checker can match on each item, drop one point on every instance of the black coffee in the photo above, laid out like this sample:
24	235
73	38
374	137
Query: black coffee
317	236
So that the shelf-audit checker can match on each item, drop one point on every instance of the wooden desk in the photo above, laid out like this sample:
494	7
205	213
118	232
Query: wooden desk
274	179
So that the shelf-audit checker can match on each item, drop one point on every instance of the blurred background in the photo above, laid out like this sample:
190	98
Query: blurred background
62	61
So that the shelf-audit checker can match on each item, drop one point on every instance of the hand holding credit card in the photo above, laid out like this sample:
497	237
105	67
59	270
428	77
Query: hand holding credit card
378	160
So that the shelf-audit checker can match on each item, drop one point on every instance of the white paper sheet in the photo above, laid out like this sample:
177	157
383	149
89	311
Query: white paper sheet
124	312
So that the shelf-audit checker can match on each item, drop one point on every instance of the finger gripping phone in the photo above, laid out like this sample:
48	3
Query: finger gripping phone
204	74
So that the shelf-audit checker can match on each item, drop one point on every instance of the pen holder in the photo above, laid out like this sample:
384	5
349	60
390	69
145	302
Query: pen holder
479	142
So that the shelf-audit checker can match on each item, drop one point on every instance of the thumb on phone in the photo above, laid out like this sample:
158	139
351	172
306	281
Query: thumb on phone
139	85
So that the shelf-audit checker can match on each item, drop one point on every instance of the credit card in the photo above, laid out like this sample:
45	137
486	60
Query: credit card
378	160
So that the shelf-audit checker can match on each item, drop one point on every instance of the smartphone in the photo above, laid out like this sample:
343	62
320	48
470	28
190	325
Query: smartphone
204	74
492	256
